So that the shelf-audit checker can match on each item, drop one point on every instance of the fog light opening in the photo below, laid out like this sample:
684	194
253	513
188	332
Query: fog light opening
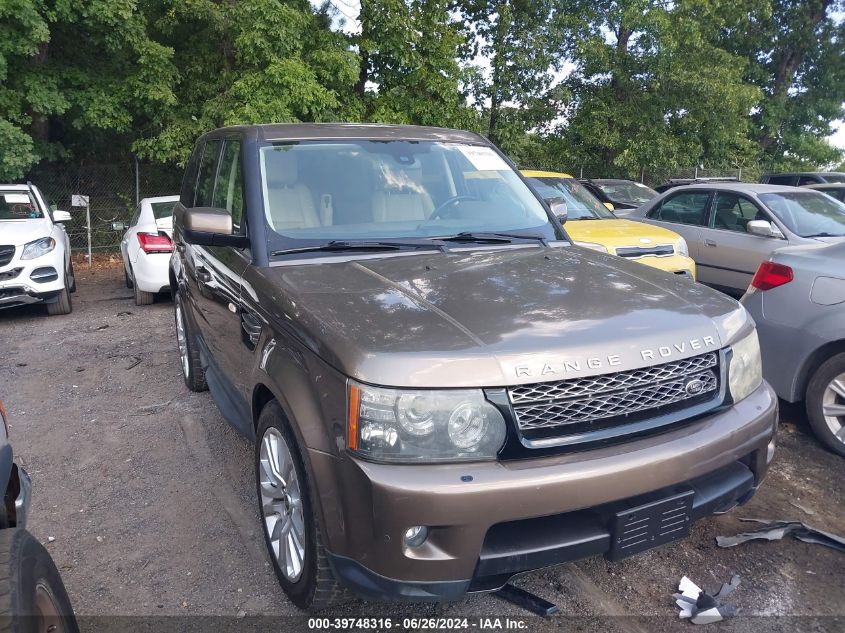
416	536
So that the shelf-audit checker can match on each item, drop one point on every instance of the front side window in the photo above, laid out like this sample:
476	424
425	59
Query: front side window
628	192
18	205
733	212
580	203
807	213
365	190
228	191
686	207
207	172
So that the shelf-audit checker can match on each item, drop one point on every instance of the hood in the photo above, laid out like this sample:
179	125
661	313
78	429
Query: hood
20	232
618	233
494	317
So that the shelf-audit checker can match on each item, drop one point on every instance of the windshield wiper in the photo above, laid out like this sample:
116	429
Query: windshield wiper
826	235
489	238
337	246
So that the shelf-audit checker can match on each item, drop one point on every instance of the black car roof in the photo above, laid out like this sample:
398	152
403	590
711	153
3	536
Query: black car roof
338	131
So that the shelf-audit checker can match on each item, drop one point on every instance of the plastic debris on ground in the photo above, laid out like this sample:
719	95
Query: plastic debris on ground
699	607
776	530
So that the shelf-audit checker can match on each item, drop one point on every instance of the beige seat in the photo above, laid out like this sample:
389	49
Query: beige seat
291	203
401	201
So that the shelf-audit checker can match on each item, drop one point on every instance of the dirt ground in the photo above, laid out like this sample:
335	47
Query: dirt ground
145	496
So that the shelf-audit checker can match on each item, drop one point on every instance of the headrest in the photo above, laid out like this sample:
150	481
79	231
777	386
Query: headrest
282	168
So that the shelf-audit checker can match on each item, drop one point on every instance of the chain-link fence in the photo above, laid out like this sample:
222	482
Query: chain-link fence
112	190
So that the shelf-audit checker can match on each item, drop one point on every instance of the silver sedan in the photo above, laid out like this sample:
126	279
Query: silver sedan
797	298
732	227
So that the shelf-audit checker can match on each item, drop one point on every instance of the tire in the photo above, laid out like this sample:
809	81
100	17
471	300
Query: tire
826	392
63	304
315	586
189	357
32	596
143	298
73	278
129	283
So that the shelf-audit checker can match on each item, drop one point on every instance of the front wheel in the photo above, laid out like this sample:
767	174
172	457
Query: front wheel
62	304
33	598
189	356
291	530
825	403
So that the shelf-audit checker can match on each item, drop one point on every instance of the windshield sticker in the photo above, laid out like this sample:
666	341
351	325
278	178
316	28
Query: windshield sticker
483	158
16	198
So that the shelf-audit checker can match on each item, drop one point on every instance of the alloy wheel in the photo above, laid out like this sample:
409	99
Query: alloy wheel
833	407
281	504
47	612
182	339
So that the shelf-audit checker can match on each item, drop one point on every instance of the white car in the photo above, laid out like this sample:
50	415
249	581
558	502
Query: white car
35	264
146	248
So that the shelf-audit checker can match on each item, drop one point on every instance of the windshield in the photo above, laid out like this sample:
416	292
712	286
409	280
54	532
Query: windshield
365	190
627	191
580	203
807	213
18	205
162	209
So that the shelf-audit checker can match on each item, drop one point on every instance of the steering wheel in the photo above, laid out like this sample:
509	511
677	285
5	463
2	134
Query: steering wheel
439	212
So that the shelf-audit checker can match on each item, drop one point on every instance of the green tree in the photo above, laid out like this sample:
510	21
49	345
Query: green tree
74	72
651	89
409	68
796	57
252	61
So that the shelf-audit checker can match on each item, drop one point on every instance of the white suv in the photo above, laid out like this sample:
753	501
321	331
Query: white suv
35	264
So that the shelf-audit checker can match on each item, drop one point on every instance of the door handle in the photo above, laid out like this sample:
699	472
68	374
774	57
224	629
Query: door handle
251	327
710	243
202	274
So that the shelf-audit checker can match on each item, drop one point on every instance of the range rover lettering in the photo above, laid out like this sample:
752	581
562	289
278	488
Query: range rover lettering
441	389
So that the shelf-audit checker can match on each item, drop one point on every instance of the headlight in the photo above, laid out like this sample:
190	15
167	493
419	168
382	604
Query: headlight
682	249
745	372
401	425
38	248
592	246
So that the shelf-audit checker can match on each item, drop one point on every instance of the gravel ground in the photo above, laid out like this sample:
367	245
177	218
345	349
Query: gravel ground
145	496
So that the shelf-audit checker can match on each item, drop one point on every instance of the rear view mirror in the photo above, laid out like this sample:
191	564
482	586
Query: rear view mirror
119	226
763	228
558	207
209	226
61	216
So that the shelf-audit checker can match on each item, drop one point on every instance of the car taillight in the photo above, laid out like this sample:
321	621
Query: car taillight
771	275
155	242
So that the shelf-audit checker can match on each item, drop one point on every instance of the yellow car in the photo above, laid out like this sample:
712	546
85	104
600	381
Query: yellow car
592	225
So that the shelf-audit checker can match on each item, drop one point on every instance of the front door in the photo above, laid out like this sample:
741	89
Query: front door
729	255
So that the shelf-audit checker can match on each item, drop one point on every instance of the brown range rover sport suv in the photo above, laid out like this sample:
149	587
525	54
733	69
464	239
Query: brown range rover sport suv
442	390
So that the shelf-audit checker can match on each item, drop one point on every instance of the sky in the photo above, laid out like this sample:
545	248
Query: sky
350	8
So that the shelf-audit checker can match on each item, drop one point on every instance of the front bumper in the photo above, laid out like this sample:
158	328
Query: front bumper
32	280
677	264
489	521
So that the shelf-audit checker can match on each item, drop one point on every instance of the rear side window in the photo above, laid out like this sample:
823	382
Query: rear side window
686	207
189	178
162	209
808	180
780	179
228	191
207	172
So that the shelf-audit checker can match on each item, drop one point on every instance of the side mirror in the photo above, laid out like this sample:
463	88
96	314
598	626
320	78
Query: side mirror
61	216
763	228
209	226
558	207
610	206
119	226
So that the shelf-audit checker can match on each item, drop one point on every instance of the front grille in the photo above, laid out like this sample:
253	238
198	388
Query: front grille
10	274
585	402
8	293
6	254
632	252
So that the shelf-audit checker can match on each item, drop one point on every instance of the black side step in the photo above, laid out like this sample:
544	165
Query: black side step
527	600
